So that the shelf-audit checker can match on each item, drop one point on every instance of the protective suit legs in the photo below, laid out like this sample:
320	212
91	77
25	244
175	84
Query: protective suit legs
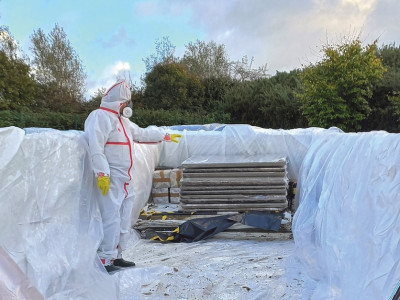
112	212
125	214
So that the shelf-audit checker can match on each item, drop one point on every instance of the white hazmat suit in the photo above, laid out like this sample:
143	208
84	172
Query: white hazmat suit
111	138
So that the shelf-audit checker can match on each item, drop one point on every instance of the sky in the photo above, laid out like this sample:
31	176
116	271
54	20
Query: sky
113	37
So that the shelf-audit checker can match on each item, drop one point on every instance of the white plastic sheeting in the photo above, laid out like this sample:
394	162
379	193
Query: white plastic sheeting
347	226
14	284
49	224
242	140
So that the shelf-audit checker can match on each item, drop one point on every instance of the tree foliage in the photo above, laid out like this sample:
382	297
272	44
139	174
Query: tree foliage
336	90
347	88
385	101
206	60
169	86
269	102
17	87
58	68
8	44
243	70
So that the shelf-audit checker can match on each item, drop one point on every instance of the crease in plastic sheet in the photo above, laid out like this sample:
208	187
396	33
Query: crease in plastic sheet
346	226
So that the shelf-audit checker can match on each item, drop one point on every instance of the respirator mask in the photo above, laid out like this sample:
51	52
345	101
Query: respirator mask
127	110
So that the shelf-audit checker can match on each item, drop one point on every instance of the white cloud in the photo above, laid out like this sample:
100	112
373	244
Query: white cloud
362	5
110	74
119	69
283	34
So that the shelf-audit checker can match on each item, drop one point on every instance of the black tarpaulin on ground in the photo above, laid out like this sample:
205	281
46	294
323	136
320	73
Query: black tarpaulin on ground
202	228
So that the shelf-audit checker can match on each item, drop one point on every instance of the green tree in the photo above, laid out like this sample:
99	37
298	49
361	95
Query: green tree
210	63
243	70
7	43
281	107
336	90
58	69
207	60
17	87
385	101
269	102
169	86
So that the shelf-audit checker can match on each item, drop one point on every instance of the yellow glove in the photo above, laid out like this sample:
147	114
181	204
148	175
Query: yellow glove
172	137
175	137
103	182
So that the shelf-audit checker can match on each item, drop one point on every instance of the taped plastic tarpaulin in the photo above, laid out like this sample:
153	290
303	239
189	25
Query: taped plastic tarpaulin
346	226
198	229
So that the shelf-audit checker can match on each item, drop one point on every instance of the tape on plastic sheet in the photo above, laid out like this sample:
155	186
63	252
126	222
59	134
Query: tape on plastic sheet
175	178
161	178
174	195
160	195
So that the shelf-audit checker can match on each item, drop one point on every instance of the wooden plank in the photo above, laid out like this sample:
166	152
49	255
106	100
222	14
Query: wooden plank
265	236
171	224
237	235
234	206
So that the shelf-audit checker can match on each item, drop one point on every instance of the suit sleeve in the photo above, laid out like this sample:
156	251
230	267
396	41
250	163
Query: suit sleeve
150	134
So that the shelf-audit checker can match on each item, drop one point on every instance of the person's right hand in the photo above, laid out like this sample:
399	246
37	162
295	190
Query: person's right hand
103	182
173	137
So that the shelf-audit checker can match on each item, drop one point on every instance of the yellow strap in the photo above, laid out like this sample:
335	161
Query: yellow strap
170	238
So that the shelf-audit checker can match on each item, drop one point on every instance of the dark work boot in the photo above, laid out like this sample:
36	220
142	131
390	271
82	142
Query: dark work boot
112	269
122	263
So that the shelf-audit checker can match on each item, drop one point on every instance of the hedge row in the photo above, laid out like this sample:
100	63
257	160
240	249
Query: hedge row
48	119
71	121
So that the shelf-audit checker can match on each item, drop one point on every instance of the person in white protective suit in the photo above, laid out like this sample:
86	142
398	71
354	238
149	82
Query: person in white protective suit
111	136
